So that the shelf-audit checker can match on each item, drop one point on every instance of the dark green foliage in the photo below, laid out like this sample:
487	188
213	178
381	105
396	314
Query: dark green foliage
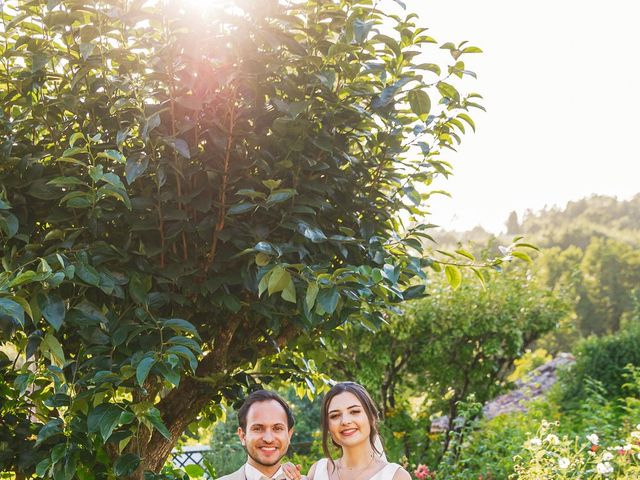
603	360
183	194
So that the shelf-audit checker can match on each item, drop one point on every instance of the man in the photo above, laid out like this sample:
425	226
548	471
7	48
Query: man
265	429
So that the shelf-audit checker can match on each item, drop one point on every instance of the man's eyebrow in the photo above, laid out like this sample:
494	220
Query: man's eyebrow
352	406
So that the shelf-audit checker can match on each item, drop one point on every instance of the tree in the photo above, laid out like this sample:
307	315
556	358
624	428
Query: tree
512	224
610	275
452	344
186	193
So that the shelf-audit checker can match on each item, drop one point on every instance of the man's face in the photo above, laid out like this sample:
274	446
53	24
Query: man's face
267	436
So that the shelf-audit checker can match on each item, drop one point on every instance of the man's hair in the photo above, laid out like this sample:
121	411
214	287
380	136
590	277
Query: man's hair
263	396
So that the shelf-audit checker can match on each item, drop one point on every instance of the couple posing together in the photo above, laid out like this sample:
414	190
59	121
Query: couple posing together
349	421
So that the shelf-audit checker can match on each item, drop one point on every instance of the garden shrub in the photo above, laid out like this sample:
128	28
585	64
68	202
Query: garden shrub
603	359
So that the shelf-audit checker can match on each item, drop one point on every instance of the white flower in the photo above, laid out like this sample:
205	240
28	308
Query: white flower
552	439
638	426
604	468
635	434
607	456
564	463
628	447
593	438
534	443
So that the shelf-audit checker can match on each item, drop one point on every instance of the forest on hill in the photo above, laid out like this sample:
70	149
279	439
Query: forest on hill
588	250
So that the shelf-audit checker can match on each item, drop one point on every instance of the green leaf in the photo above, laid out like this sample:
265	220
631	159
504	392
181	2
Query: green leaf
465	254
241	207
472	50
527	245
180	325
86	49
9	224
522	256
156	420
432	67
179	146
135	166
448	90
24	277
88	274
53	309
150	124
480	277
13	310
454	277
468	119
264	283
312	293
280	195
328	299
126	464
420	103
289	293
312	233
416	291
53	346
104	419
361	29
74	138
143	369
52	428
194	470
278	280
114	155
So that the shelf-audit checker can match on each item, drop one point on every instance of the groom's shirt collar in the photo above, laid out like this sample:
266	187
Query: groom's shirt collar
252	473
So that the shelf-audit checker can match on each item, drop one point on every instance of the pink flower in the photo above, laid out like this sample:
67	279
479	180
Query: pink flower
422	472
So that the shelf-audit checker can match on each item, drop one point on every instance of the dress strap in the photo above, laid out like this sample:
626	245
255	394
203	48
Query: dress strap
322	469
387	472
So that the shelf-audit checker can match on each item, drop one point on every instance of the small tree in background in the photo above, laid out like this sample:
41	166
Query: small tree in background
186	193
448	347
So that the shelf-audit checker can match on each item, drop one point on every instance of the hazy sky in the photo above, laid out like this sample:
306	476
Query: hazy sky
561	82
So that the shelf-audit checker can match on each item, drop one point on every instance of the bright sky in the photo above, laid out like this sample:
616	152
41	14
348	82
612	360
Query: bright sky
561	82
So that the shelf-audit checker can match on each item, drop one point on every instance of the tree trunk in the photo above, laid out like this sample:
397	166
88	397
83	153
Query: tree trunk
183	404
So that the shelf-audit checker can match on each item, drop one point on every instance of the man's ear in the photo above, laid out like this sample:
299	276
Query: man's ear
290	433
241	435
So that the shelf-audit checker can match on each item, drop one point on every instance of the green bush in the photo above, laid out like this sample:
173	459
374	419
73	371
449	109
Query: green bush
604	360
489	450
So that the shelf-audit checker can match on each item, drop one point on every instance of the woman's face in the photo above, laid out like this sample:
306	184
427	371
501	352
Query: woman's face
348	421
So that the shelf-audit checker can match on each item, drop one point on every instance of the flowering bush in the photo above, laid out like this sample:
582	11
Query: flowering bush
546	455
422	472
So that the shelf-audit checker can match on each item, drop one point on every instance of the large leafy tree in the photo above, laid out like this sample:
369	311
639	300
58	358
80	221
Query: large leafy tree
186	192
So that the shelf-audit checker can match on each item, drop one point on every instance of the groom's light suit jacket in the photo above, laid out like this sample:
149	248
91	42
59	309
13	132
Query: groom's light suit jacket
237	475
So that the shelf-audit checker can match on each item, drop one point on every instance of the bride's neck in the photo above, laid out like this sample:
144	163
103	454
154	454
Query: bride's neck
357	456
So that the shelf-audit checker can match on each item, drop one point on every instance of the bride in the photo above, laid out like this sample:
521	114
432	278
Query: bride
350	422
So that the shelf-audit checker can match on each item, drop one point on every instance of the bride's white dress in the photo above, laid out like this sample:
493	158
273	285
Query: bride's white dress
387	473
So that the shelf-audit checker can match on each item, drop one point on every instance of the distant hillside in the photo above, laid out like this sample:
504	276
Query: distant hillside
580	221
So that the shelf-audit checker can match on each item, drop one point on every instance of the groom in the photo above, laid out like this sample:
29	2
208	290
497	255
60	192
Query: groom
265	428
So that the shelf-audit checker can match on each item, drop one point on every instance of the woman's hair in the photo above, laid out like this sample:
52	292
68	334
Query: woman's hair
367	404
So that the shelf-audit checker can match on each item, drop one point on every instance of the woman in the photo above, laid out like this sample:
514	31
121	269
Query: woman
350	421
